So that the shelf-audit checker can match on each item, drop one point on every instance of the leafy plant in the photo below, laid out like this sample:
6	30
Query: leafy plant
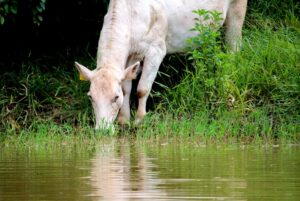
202	84
9	10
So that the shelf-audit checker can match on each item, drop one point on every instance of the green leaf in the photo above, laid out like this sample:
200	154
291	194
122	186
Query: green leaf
13	9
42	5
6	8
2	20
40	18
39	9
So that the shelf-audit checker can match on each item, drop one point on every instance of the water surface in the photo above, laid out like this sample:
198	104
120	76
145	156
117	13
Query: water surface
131	171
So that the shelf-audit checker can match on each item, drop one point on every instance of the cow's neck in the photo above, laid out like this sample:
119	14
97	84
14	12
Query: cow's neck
114	42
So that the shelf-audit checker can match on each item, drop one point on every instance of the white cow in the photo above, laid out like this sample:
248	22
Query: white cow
136	30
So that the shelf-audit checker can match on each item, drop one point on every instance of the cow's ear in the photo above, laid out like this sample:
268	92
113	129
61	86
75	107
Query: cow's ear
132	71
84	73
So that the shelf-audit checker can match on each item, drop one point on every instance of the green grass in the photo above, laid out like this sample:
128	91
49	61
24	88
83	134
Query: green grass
228	126
39	94
46	105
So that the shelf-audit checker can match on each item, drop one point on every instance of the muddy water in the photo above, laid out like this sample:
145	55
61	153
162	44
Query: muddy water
128	171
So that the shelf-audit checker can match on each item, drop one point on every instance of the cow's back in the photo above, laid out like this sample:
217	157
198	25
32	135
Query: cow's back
181	19
143	23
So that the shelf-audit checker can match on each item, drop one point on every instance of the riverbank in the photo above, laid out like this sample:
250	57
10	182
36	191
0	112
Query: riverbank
253	94
193	132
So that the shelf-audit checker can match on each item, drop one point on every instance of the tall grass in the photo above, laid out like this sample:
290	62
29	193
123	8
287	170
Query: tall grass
273	9
38	94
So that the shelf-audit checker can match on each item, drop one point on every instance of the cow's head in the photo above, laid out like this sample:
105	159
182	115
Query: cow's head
106	92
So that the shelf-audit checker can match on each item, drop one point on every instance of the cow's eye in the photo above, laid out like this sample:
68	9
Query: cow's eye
115	99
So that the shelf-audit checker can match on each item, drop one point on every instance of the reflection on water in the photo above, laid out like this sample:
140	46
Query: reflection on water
129	171
125	173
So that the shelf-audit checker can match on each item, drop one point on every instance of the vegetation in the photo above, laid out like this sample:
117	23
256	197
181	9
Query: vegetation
9	10
252	94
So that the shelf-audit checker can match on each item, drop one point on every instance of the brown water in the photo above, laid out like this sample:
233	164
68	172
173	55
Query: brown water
130	171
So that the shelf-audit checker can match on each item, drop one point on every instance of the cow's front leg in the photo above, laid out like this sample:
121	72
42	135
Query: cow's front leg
151	64
124	114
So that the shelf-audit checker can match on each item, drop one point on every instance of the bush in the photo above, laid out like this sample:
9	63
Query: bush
204	84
